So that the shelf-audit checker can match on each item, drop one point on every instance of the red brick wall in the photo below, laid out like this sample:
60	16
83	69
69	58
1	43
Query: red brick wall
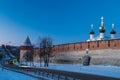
77	47
92	45
115	44
26	47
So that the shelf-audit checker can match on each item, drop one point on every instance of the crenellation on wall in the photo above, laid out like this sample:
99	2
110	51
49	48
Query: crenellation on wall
91	45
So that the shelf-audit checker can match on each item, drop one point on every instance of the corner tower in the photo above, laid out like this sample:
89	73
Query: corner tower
24	49
102	28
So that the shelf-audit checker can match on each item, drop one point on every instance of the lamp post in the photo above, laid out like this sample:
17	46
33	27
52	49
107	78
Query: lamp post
87	50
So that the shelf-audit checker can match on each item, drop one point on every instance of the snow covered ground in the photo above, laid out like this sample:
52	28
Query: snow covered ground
10	75
112	71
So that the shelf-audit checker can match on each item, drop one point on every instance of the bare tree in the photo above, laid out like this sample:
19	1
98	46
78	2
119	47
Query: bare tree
45	50
28	56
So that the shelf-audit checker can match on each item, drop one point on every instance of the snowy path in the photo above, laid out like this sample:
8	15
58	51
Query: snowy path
10	75
111	71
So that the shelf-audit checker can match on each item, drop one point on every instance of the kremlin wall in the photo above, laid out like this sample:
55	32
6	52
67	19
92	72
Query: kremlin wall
103	50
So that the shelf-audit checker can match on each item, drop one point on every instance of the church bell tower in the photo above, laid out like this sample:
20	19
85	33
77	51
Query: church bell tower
92	33
113	32
102	29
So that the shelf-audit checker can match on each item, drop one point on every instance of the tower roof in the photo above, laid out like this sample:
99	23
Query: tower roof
27	42
102	28
92	32
113	31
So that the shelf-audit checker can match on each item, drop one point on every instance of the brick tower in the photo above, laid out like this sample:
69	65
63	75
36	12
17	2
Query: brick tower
24	49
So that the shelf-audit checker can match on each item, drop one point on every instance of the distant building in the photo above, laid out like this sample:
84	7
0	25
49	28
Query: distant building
7	56
15	50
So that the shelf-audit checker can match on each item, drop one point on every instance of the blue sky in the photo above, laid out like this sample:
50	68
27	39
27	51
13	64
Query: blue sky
66	21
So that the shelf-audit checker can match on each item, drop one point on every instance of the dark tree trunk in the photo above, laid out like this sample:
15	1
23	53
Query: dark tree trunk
45	50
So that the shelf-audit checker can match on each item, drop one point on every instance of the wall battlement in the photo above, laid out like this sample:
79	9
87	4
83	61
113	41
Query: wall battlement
91	45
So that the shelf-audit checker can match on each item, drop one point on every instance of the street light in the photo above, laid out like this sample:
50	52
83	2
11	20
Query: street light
87	50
